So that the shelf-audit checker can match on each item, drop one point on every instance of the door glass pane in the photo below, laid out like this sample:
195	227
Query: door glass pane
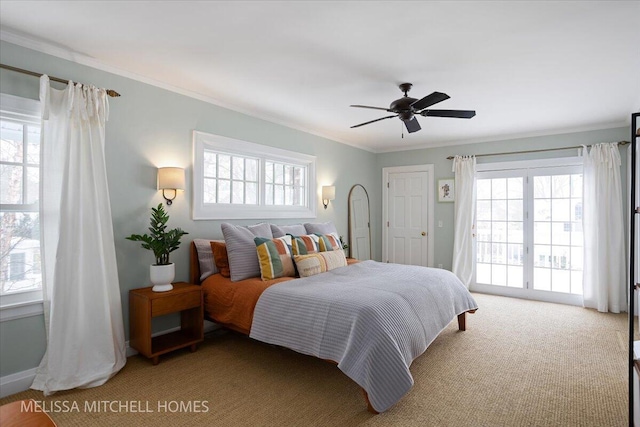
514	276
499	188
542	279
483	189
541	187
499	212
483	273
483	210
556	231
514	188
515	232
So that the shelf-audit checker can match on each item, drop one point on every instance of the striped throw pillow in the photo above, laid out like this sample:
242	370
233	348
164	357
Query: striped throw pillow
309	265
274	257
303	245
328	242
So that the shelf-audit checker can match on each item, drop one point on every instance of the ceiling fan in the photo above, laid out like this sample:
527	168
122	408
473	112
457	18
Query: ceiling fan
406	108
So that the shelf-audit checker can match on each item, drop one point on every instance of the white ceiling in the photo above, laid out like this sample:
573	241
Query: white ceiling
527	68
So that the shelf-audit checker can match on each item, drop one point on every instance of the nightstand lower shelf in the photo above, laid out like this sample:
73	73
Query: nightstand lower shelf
165	343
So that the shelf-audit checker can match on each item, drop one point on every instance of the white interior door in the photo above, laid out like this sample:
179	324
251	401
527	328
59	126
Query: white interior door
409	216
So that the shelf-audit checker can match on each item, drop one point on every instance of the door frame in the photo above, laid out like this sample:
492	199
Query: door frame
429	169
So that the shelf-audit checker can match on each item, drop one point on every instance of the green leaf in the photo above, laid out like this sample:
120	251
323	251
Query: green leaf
160	241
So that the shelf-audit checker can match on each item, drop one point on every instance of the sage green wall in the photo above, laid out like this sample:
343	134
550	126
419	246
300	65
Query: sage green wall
437	156
150	127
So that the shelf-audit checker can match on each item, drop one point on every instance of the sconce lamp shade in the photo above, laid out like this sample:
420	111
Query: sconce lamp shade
170	179
328	193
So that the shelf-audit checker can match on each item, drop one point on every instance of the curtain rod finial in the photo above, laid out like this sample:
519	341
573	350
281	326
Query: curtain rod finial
112	93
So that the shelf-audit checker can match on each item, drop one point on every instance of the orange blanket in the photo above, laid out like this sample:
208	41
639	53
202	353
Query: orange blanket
231	304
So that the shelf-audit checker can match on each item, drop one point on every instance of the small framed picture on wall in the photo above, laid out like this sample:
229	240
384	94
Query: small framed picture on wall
446	190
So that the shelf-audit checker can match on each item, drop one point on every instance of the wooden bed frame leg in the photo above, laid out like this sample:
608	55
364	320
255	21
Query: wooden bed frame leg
369	407
462	320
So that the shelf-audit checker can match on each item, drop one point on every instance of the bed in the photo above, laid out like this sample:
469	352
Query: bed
372	319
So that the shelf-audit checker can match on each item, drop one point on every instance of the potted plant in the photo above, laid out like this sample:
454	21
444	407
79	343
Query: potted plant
162	243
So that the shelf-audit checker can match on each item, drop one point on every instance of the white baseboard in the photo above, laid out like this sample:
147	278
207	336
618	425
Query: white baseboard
21	381
15	383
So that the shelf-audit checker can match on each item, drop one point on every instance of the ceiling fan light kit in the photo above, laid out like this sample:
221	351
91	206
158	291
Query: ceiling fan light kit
406	108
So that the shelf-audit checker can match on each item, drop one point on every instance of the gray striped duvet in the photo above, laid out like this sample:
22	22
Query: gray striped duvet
372	318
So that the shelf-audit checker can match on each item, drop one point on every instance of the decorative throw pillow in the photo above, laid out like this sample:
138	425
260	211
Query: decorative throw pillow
283	230
220	257
205	257
309	265
320	228
303	245
274	257
241	249
328	242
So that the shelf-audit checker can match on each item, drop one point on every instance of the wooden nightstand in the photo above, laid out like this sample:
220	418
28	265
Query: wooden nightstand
144	305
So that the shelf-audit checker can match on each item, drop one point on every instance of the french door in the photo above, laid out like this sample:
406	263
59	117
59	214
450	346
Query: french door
529	233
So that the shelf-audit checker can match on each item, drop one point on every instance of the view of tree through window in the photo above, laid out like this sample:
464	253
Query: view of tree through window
20	263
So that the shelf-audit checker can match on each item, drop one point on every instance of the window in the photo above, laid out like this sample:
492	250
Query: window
529	229
20	265
235	179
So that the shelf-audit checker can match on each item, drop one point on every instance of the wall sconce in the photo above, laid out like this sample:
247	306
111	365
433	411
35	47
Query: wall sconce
170	179
328	193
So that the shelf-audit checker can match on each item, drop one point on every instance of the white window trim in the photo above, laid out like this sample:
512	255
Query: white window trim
22	304
201	211
543	166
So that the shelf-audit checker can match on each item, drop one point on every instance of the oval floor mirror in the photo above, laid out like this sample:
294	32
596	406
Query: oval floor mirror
359	223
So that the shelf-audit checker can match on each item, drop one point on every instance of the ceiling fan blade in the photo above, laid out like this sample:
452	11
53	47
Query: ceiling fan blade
372	108
373	121
429	100
412	125
459	114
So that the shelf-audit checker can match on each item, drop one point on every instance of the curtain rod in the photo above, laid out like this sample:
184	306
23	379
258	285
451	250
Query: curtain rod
533	151
112	93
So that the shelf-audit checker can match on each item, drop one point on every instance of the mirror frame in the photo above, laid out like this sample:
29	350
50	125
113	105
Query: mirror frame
349	215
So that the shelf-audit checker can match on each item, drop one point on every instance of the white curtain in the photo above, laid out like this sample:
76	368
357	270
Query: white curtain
464	217
83	313
604	255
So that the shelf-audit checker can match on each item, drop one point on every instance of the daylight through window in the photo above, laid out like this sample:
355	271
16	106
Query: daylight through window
20	261
529	229
237	179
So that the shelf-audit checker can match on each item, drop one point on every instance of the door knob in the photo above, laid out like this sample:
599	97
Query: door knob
423	233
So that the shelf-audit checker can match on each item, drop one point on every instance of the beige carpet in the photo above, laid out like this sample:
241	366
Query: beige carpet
520	363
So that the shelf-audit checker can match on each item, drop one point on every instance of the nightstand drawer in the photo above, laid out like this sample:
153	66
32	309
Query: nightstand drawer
175	303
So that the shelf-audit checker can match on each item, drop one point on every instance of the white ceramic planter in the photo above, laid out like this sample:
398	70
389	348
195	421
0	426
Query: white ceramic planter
161	276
